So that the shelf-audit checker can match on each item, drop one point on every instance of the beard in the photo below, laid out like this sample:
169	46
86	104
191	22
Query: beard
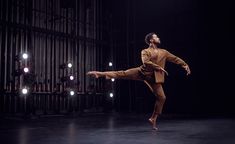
157	42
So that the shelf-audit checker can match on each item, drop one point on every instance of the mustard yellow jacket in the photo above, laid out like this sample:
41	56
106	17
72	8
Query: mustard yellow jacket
153	59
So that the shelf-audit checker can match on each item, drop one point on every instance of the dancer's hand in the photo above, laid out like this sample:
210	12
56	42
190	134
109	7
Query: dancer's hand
162	69
186	67
93	73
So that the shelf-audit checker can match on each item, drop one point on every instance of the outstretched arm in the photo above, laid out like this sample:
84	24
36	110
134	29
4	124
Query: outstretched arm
186	67
174	59
145	57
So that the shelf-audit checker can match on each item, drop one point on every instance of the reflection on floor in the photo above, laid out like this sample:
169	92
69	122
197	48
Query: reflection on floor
117	129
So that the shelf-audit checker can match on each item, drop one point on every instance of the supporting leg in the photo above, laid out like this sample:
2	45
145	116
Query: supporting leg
160	100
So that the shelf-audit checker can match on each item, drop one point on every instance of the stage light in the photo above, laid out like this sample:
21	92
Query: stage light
21	71
110	64
66	65
24	91
112	79
71	77
69	65
67	78
71	92
111	95
20	57
25	56
26	70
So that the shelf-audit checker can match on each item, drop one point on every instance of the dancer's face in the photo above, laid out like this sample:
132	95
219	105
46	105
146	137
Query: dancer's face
155	39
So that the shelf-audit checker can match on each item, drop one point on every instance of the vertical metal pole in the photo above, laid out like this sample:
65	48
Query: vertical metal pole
3	47
127	48
66	98
84	45
51	57
54	63
13	55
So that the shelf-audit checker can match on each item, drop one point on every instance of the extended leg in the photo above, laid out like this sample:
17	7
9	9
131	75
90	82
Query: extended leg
132	73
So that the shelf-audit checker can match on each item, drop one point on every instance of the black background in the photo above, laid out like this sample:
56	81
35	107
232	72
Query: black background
199	32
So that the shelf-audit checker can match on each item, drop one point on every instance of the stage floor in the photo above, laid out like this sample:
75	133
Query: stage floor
117	129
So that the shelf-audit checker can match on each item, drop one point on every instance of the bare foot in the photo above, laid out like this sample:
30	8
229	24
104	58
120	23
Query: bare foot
153	122
94	74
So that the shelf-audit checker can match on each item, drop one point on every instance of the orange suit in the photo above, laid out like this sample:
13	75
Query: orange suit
153	59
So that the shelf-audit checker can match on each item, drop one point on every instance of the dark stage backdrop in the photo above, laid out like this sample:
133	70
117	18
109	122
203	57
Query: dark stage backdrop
197	31
92	33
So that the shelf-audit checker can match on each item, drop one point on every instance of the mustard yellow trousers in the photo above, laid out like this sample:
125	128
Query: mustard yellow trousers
135	74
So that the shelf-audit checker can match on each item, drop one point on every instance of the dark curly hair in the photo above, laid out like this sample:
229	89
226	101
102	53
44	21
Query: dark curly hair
148	37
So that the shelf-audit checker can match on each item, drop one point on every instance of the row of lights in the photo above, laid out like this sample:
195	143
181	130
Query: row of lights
25	90
25	70
111	95
68	78
69	65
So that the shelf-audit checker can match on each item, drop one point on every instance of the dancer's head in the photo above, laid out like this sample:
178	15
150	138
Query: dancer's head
152	38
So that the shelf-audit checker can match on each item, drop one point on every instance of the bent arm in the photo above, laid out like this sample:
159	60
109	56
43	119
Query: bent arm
145	57
174	59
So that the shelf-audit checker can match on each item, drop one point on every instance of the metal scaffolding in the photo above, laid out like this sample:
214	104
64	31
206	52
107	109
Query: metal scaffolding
53	33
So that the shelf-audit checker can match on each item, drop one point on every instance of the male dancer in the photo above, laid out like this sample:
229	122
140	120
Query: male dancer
151	72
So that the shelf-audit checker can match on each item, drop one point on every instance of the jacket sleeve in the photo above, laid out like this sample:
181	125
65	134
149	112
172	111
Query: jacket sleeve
145	57
174	59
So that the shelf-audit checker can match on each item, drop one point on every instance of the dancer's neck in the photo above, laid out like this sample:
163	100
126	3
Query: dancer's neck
154	46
